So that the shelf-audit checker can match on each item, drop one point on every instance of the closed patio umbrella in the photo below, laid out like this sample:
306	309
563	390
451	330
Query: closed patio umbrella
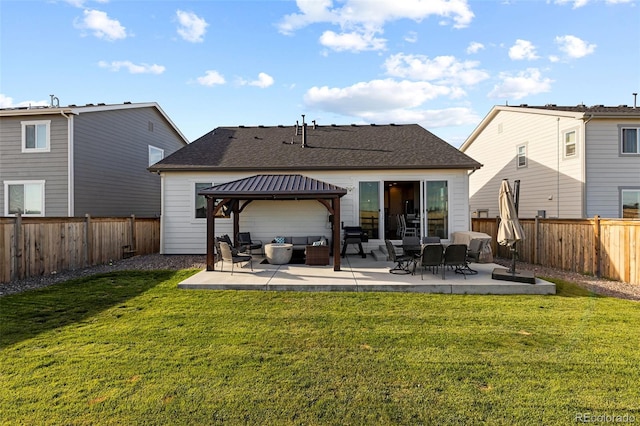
510	231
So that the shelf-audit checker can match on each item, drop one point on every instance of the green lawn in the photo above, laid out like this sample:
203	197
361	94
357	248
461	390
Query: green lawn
130	348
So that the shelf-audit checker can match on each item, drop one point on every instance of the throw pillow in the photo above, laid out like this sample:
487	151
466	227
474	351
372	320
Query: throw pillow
280	240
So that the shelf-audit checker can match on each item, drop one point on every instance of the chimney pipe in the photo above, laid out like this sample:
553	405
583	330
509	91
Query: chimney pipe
635	95
304	132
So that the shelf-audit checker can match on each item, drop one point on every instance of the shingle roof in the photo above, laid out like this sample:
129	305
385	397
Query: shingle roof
275	187
334	147
594	109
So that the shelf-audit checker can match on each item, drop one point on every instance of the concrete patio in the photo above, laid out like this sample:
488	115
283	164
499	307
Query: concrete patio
357	274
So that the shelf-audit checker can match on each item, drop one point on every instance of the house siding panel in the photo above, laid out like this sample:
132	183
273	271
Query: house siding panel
111	152
606	169
268	219
542	187
48	166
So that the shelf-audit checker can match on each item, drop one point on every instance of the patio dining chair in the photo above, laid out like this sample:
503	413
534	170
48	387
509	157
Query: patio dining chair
455	255
228	256
432	256
403	262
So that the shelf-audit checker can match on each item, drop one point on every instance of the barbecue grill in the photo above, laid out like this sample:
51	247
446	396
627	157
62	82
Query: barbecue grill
354	235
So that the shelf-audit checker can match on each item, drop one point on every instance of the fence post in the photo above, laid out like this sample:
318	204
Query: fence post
536	246
17	247
134	246
88	240
596	234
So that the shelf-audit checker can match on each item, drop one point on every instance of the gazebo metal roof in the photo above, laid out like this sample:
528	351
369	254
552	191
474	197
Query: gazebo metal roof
272	187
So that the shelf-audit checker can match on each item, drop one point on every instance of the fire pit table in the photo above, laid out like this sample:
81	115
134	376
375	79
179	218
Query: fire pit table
278	253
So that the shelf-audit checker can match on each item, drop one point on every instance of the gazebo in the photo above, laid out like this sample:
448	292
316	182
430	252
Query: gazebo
236	195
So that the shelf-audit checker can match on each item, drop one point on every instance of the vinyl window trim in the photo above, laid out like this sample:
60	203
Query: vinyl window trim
47	130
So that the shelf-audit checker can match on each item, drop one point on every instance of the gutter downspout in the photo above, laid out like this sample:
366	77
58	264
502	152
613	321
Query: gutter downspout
70	165
559	143
584	165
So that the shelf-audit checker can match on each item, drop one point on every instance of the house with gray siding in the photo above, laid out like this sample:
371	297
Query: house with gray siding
387	171
572	161
77	160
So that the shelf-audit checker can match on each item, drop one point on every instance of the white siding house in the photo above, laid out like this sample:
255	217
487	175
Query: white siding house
572	162
385	169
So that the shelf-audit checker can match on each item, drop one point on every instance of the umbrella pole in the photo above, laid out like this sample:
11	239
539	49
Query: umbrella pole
514	253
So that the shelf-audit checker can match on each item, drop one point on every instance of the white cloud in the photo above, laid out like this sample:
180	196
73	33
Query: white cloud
191	27
101	25
389	101
211	78
445	69
376	96
7	102
574	47
576	3
353	41
411	37
428	118
369	18
474	47
580	3
525	83
264	80
523	49
132	68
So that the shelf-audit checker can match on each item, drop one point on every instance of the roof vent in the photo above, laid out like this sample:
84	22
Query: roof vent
241	126
392	124
127	102
281	126
261	126
551	105
372	124
334	125
353	125
524	105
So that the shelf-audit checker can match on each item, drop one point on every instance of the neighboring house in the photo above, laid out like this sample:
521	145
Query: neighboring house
572	162
386	169
77	160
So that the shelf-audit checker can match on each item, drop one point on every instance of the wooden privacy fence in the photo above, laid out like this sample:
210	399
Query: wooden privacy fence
608	248
35	246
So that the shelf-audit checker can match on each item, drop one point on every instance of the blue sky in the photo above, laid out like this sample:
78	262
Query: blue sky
440	63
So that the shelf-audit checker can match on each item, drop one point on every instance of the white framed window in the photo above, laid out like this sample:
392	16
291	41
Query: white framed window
36	136
570	144
630	203
521	157
155	155
630	140
24	197
200	203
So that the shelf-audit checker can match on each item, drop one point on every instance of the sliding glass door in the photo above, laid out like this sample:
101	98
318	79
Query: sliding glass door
437	208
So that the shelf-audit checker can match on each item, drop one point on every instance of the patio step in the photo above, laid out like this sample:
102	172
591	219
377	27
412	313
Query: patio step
379	255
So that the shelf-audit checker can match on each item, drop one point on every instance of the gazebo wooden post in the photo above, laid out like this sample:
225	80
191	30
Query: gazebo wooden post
336	234
236	220
211	258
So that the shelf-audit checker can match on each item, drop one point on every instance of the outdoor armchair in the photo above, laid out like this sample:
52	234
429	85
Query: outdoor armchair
228	256
244	240
403	262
